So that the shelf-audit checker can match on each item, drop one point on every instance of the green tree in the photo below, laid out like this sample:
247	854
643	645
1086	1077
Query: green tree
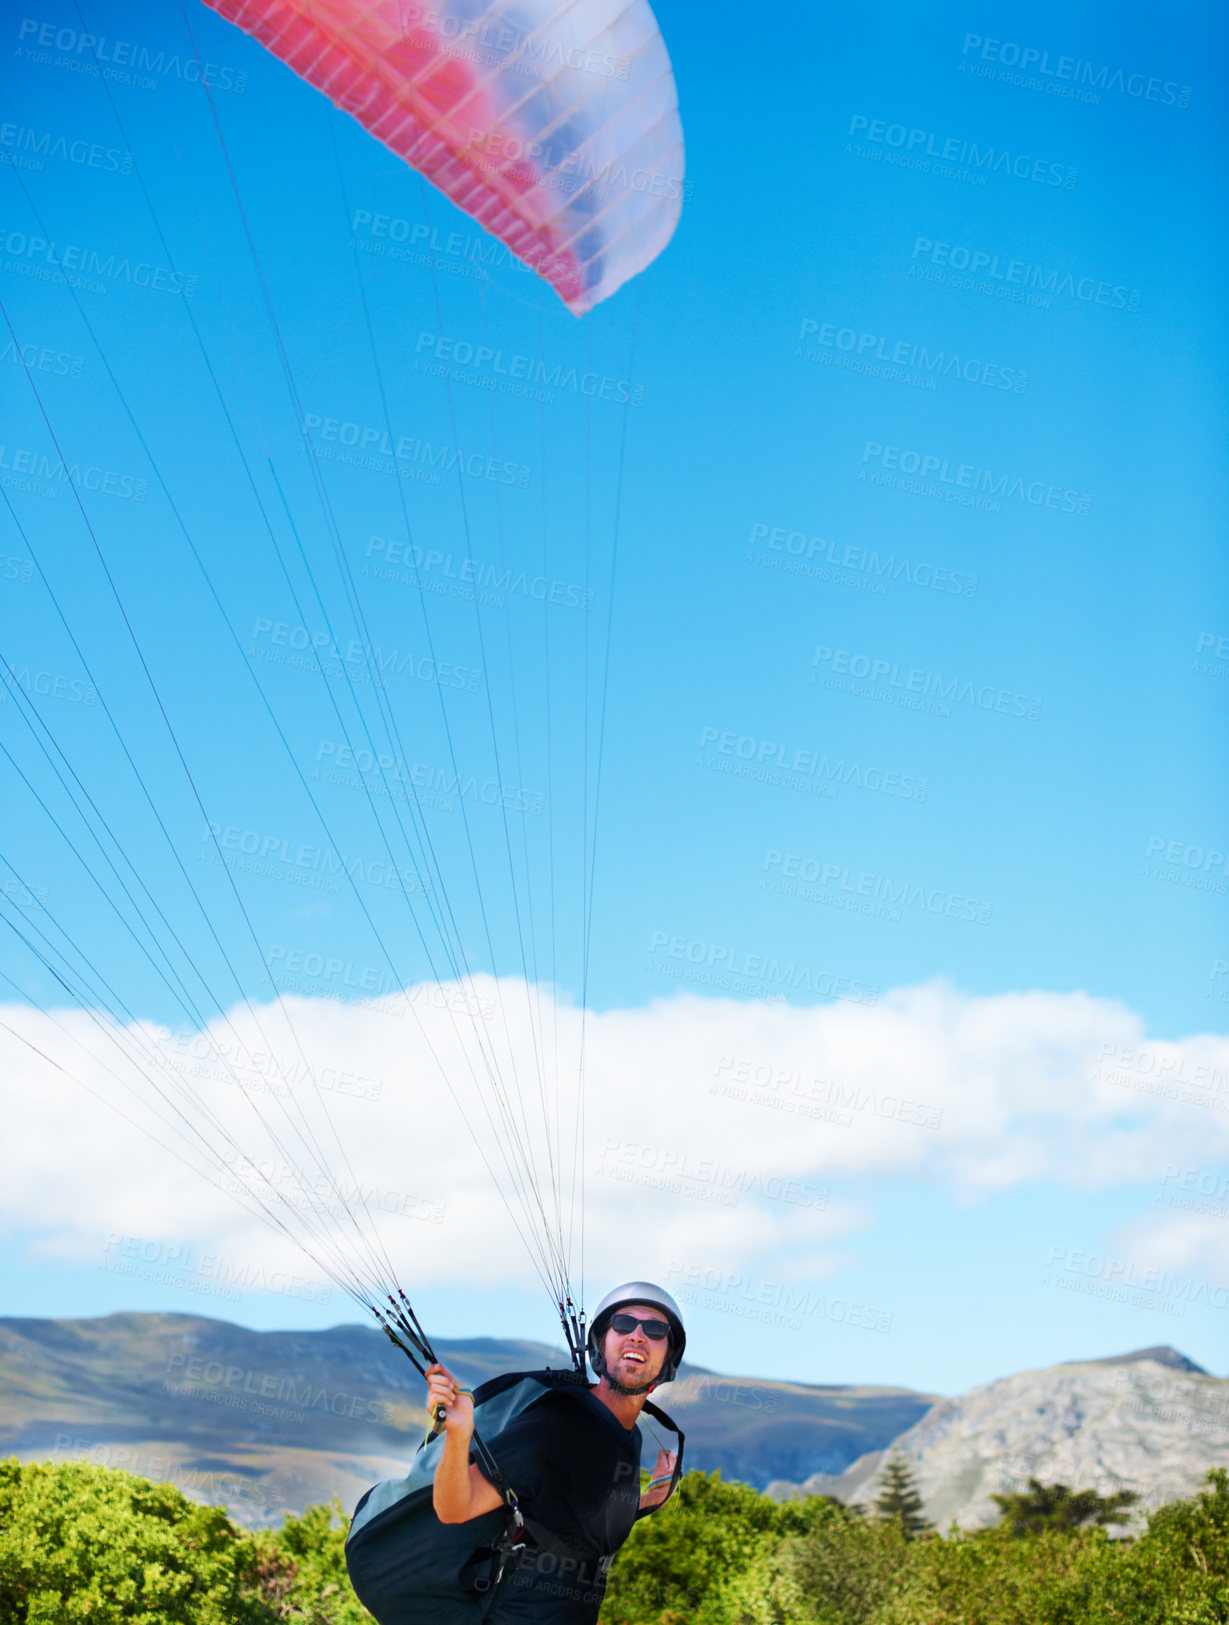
843	1569
686	1561
80	1542
898	1500
1055	1506
1178	1570
305	1562
1176	1573
988	1577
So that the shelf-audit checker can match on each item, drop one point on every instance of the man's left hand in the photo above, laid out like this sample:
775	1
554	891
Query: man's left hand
659	1485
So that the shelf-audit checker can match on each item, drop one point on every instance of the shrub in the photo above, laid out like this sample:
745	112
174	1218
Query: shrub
81	1542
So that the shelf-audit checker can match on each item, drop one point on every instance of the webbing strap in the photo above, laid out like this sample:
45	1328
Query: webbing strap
658	1415
491	1467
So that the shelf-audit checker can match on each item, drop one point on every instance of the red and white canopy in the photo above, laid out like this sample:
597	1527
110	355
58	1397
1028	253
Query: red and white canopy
554	123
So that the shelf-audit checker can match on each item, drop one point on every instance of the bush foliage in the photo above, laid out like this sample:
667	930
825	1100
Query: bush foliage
85	1543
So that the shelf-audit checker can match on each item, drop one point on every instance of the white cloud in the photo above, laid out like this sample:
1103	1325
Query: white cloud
1195	1243
713	1127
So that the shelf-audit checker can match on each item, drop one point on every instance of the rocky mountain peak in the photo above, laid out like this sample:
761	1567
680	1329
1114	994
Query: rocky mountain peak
1152	1422
1162	1354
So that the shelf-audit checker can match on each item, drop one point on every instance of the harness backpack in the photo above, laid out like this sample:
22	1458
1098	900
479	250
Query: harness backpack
408	1568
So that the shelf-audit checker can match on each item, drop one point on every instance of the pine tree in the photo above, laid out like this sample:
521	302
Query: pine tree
1056	1506
898	1498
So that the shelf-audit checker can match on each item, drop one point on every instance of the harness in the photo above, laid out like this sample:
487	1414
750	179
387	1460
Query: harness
409	1569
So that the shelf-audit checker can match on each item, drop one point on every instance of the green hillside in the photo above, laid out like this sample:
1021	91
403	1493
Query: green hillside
270	1422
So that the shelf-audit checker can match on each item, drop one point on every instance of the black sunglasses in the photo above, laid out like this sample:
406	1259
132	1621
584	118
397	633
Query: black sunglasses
655	1330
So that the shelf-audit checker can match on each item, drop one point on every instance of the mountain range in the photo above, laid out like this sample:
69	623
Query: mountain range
269	1422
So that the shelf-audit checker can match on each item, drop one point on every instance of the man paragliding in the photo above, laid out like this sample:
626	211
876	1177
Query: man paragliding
517	1524
556	129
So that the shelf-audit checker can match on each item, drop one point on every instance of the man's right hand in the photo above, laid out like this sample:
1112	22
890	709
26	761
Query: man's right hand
460	1491
444	1389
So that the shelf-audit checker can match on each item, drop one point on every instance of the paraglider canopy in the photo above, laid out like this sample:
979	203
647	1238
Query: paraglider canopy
555	126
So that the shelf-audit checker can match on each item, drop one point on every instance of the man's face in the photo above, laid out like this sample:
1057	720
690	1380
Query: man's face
633	1359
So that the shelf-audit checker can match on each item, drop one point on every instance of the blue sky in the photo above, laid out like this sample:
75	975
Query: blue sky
1069	791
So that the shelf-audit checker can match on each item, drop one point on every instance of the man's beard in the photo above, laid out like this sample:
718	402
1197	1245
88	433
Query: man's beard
631	1393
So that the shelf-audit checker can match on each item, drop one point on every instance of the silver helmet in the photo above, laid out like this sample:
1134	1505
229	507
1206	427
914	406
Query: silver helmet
638	1292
